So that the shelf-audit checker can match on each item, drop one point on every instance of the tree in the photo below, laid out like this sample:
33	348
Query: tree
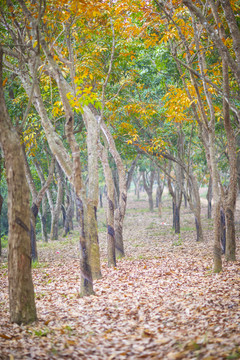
21	291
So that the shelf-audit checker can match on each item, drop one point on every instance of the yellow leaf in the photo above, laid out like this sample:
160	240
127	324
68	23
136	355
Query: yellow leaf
4	81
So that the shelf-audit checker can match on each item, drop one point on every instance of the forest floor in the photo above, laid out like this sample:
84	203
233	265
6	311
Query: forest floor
162	301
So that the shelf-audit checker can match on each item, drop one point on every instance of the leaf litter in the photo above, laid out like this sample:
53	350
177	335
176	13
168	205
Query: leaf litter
162	301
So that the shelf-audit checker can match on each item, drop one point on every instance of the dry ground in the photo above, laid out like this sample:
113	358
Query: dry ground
161	302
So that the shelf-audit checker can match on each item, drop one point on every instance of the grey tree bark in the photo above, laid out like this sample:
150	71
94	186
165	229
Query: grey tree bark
21	291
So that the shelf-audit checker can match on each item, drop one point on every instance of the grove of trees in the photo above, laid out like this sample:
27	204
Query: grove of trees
97	95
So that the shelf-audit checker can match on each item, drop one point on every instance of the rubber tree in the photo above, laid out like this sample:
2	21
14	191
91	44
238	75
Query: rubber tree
20	284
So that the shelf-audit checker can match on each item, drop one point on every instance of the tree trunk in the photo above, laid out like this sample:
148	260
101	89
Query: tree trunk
177	219
33	218
68	221
150	201
217	259
122	203
209	198
230	253
57	208
43	218
93	133
1	202
148	187
101	197
21	291
103	152
199	231
176	204
223	230
159	193
85	268
185	201
231	193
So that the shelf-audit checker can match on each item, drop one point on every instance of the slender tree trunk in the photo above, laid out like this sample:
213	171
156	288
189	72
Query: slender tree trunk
176	201
217	252
93	133
231	193
101	197
173	214
148	187
150	201
122	203
85	268
209	198
198	229
67	215
159	193
21	291
177	219
223	230
43	218
103	152
33	219
230	235
57	208
185	201
1	203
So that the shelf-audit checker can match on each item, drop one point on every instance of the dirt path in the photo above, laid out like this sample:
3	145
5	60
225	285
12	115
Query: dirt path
161	302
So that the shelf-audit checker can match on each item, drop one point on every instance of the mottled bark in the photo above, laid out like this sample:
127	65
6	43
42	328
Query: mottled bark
101	197
93	133
21	291
176	195
85	268
160	188
230	253
222	230
120	211
198	229
209	198
67	217
148	181
230	195
57	207
103	153
43	218
1	202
